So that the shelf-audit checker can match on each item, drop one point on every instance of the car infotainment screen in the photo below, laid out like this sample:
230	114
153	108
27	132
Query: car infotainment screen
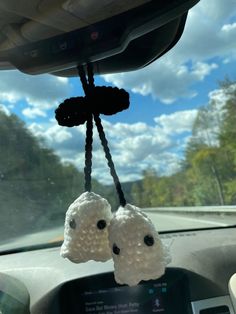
100	294
121	300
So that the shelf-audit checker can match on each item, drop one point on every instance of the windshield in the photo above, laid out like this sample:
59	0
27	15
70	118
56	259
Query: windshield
174	149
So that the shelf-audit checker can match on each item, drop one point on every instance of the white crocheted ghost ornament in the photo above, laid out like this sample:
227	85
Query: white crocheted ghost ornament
137	250
86	233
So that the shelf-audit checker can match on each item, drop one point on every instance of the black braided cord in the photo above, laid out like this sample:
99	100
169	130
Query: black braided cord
109	160
89	137
78	110
90	75
83	79
88	154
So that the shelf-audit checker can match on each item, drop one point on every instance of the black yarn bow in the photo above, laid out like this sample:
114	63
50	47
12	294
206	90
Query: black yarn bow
78	110
98	100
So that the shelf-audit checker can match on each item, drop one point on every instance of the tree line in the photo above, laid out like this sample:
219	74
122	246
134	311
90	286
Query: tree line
207	174
36	188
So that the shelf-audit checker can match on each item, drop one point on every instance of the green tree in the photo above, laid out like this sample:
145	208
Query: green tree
208	172
36	188
227	138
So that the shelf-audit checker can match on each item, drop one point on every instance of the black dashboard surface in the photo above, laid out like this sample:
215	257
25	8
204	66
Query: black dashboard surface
204	259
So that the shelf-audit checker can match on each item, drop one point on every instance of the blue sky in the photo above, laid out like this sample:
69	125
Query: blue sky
165	97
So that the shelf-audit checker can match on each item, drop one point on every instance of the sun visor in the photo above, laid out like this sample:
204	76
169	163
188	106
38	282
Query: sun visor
115	36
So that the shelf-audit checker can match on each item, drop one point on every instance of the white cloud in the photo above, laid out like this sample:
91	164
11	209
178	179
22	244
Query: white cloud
4	109
57	137
217	10
207	34
173	82
201	70
229	27
220	96
41	92
169	163
33	112
177	122
212	115
64	80
134	147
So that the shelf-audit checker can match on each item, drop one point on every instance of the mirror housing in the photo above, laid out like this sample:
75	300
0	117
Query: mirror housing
124	42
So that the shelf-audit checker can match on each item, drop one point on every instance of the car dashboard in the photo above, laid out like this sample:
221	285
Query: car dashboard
196	281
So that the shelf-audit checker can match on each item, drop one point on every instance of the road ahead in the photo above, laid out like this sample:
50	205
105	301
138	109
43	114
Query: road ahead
162	221
170	221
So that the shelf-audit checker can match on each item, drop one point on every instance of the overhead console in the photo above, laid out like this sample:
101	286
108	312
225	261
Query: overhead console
111	43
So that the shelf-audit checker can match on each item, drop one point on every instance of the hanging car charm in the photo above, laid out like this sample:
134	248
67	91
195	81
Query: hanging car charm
90	230
137	250
86	234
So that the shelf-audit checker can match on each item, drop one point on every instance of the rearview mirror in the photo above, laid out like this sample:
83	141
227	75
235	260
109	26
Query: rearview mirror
113	35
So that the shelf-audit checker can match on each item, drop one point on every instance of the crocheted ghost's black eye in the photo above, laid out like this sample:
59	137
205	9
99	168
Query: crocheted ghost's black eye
148	240
115	249
72	224
101	224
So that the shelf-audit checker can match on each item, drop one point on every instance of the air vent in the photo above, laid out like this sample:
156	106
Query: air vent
216	310
219	305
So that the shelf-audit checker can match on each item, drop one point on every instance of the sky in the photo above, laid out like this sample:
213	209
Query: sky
165	98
